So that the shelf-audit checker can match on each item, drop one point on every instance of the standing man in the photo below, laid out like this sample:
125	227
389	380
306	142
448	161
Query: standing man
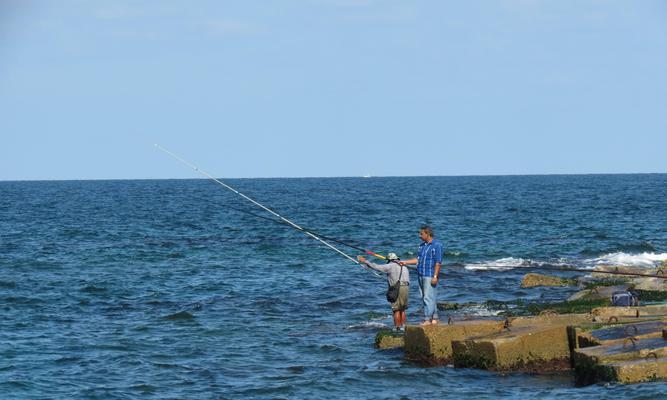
429	261
396	273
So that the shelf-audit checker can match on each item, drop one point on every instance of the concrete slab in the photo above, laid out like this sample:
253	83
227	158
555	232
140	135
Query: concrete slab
604	313
432	345
618	362
588	335
551	319
600	292
536	348
635	371
389	339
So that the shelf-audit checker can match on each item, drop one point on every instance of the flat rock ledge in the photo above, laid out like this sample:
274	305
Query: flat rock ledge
610	344
389	339
533	280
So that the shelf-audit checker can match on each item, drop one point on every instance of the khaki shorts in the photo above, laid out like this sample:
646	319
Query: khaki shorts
401	303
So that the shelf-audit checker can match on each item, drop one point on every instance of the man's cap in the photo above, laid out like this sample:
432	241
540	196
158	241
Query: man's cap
392	256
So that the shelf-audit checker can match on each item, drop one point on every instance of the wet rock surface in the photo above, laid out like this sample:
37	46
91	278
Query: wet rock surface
388	339
599	342
533	280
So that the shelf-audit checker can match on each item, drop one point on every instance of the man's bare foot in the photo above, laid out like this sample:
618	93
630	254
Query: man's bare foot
434	322
425	323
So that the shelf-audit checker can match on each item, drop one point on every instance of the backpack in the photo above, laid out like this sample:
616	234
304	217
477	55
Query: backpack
624	299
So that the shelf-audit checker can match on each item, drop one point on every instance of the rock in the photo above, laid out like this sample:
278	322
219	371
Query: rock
598	292
532	280
636	371
538	348
548	318
605	313
598	271
432	345
587	335
652	284
532	347
635	360
388	339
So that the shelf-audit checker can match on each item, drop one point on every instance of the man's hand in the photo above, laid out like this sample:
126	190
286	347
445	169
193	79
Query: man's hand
361	259
434	281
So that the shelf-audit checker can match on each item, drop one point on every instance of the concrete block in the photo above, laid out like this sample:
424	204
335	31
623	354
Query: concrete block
528	348
614	362
389	339
604	313
432	344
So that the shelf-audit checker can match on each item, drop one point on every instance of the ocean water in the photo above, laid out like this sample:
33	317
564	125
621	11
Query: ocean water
157	289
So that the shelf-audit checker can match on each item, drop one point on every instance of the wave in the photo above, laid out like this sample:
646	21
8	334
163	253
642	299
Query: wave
648	260
365	326
180	316
501	264
638	247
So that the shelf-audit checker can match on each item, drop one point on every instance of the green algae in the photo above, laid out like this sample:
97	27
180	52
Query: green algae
567	307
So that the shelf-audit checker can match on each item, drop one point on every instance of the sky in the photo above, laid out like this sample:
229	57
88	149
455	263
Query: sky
319	88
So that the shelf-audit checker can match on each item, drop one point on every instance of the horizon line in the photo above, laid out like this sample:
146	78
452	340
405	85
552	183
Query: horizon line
337	177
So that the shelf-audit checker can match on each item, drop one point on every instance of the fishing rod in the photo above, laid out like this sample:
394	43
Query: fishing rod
569	268
285	220
329	238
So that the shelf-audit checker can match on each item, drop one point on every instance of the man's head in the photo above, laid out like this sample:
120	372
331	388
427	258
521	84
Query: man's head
392	257
426	233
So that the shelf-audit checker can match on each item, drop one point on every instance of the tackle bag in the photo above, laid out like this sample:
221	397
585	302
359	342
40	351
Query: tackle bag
624	299
392	290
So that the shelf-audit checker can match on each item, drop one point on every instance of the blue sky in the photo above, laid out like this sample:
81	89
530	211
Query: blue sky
331	88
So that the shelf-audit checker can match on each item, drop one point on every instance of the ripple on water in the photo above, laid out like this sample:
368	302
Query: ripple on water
179	316
216	308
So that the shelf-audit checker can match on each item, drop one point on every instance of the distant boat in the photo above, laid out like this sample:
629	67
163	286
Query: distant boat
366	176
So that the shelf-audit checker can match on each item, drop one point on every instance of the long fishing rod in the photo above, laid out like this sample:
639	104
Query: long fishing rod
568	268
287	221
329	238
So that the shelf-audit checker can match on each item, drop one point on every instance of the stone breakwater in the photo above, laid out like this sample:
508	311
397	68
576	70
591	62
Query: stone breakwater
606	344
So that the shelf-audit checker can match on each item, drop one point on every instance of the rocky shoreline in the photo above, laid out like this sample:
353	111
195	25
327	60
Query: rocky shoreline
585	334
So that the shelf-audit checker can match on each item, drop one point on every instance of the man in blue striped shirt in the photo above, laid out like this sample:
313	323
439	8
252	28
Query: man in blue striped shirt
429	261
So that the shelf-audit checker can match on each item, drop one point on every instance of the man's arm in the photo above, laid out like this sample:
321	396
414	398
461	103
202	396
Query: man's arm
434	280
438	264
377	267
412	261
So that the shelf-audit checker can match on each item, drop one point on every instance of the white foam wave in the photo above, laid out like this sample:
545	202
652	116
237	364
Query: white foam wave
366	325
501	264
633	260
481	311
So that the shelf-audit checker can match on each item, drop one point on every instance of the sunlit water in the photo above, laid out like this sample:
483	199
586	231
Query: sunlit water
155	289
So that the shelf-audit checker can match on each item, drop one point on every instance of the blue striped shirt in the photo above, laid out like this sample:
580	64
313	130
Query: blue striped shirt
428	255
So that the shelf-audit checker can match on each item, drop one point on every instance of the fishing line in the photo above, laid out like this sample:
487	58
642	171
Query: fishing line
329	238
285	220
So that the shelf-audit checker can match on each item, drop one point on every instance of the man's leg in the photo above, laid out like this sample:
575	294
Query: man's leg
397	318
424	285
404	318
430	302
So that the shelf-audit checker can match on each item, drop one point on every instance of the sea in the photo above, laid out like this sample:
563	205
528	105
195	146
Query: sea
170	289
